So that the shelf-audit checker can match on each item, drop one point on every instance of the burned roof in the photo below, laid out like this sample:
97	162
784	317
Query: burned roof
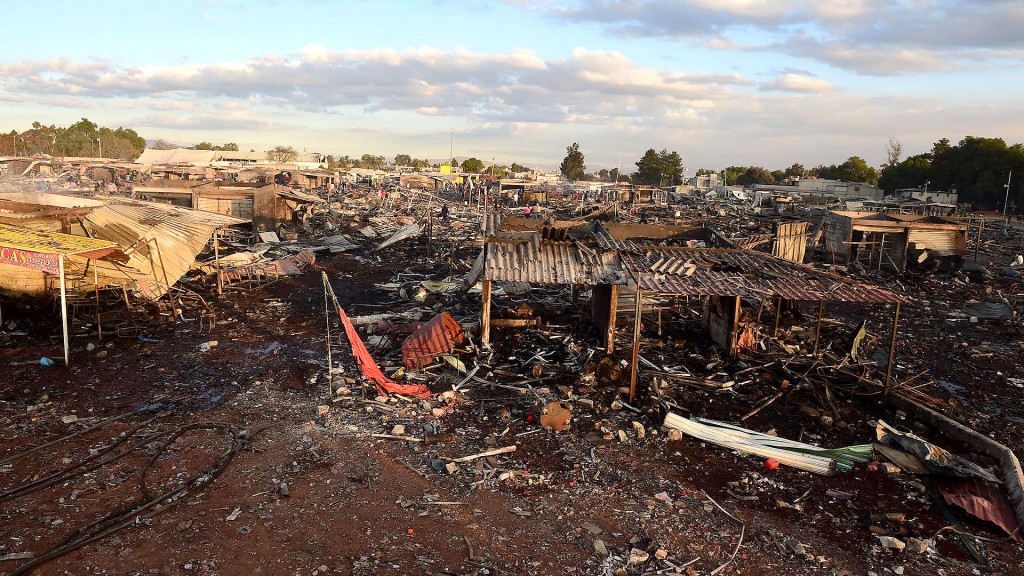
744	273
598	257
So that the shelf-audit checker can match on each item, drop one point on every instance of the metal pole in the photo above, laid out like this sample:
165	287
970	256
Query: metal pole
64	308
485	315
636	341
216	258
892	347
96	284
1006	200
330	359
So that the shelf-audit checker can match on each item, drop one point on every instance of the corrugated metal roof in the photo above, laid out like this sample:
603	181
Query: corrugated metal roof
50	242
728	272
160	241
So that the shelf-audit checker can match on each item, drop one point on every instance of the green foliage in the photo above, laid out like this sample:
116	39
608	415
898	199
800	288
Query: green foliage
976	167
797	170
705	172
855	169
573	167
659	168
516	167
372	162
472	165
403	160
282	154
229	147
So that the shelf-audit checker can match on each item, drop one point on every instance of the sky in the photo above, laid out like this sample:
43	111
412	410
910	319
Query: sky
723	82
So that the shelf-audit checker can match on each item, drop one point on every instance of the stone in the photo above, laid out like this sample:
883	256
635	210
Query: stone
600	549
398	430
322	410
892	543
661	554
622	436
918	545
637	557
674	434
640	430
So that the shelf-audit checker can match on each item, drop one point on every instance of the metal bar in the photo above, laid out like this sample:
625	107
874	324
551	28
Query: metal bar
892	347
636	342
778	313
64	308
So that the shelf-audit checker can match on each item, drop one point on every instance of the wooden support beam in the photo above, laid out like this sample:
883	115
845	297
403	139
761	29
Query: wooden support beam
817	331
485	314
892	347
636	342
735	328
613	309
778	314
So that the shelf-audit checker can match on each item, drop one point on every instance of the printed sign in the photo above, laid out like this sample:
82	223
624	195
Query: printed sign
37	260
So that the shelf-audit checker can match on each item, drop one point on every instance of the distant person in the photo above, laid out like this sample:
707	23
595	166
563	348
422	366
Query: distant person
444	213
526	211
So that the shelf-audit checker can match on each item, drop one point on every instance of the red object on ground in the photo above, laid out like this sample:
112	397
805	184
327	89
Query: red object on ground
434	339
370	368
771	463
984	501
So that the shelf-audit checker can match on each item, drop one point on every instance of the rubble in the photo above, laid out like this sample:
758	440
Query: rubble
543	409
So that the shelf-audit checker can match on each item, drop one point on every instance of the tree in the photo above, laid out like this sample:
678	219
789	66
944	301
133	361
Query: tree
659	168
648	168
705	172
797	170
893	151
372	162
403	160
161	144
754	175
517	168
282	154
855	169
229	147
473	165
573	167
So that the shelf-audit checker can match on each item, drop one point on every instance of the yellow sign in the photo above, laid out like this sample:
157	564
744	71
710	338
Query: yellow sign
446	168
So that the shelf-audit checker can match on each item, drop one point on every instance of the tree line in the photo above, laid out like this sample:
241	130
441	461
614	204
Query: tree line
83	138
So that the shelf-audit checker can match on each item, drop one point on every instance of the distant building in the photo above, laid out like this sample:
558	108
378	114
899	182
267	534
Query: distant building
930	196
822	189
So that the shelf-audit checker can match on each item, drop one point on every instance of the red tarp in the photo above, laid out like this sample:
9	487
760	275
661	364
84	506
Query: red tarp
434	339
369	367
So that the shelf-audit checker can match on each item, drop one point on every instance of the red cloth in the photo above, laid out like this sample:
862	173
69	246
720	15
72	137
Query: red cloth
370	368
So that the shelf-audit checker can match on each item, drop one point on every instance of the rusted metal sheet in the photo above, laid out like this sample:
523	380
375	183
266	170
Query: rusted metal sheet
160	241
939	242
727	272
434	339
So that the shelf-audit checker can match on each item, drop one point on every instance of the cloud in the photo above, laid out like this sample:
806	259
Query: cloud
872	37
797	82
517	86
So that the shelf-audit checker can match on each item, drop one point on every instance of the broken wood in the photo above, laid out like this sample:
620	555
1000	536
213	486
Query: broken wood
472	457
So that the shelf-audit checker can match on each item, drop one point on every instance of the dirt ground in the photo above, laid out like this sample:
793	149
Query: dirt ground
356	504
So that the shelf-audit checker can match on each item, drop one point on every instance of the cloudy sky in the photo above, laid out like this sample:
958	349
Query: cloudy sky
724	82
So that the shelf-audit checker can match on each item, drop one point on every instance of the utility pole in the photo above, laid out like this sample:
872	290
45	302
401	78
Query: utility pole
1006	200
99	142
451	146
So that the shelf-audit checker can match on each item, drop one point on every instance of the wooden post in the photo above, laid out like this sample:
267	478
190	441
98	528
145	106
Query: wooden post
216	258
96	284
64	309
892	347
613	310
778	313
327	316
636	341
817	331
485	315
977	242
734	347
